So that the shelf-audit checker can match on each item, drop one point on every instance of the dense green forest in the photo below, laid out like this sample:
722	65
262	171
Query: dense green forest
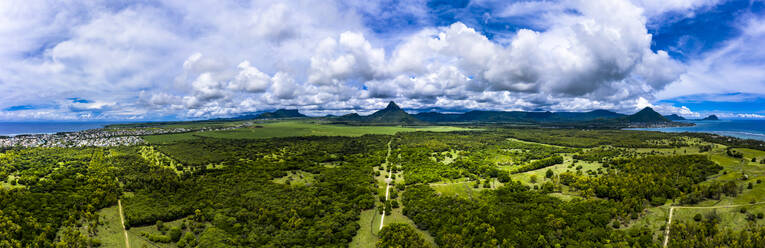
491	187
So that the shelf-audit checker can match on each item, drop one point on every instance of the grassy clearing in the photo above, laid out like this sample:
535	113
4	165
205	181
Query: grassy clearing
457	189
731	218
110	233
136	240
294	128
654	219
365	237
169	138
303	128
525	177
734	170
297	178
6	185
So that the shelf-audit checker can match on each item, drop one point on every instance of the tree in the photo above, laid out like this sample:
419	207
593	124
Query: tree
400	235
160	226
503	177
175	234
533	178
394	204
549	173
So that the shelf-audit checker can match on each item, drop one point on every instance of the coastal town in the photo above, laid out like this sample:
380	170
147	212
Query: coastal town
100	137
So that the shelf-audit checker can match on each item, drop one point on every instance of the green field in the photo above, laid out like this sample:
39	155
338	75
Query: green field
295	128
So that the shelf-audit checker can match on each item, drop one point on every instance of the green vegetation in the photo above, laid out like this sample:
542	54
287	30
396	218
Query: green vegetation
400	235
302	183
292	129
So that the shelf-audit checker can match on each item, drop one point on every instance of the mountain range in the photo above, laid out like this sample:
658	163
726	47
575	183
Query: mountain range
392	114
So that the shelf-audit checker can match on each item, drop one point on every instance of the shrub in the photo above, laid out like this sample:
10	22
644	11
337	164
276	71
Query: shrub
697	217
175	234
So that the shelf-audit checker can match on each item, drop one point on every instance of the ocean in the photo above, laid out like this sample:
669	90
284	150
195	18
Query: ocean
746	129
18	128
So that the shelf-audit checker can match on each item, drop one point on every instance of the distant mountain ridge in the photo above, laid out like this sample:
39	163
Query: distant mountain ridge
674	117
278	114
392	114
518	116
281	113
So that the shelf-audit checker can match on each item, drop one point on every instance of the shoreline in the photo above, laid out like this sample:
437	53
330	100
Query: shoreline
711	128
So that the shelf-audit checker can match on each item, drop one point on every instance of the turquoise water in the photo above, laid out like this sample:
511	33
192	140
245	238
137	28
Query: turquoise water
17	128
746	129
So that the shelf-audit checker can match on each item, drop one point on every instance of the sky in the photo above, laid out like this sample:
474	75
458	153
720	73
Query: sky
186	60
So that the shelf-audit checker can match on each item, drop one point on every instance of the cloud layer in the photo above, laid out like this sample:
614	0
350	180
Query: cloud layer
175	60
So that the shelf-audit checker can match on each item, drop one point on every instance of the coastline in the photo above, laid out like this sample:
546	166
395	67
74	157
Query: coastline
742	129
14	129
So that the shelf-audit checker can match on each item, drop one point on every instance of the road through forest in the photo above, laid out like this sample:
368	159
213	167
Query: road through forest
122	219
387	187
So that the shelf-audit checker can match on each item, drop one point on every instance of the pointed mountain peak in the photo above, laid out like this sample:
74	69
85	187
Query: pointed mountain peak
647	115
392	106
647	109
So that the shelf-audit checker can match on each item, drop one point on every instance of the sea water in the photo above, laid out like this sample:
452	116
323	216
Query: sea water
18	128
745	129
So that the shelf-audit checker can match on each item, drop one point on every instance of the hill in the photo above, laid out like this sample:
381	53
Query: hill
646	115
392	114
674	117
711	118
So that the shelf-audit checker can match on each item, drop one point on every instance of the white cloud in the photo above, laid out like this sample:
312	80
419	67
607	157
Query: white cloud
250	79
734	67
210	58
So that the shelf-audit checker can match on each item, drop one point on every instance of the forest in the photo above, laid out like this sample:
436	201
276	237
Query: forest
487	187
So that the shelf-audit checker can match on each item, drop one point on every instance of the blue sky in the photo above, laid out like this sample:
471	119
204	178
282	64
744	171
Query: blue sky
171	59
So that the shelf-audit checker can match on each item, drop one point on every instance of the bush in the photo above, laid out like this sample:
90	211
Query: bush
503	177
549	173
658	200
95	242
159	238
394	204
697	217
161	226
538	164
175	234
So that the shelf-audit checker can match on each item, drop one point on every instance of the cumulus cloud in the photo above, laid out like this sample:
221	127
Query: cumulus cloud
173	58
250	79
734	67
